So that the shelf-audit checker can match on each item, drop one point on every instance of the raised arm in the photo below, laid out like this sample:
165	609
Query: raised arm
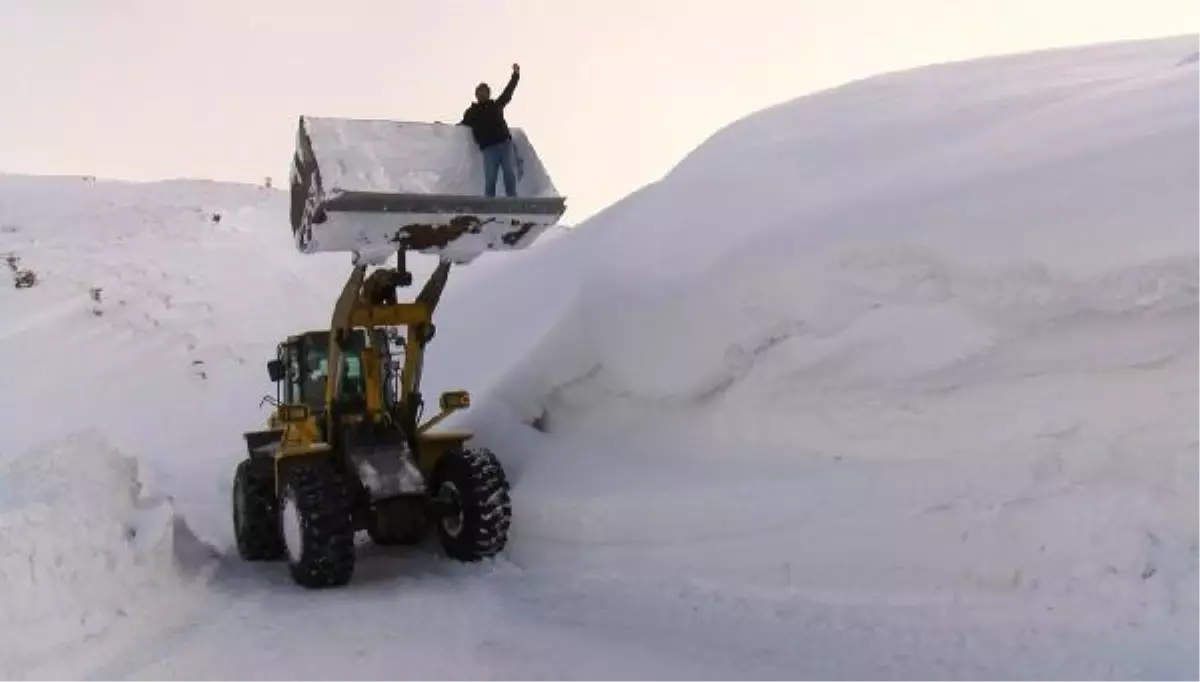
506	96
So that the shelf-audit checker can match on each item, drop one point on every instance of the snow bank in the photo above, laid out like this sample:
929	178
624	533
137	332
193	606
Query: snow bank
83	548
926	336
128	376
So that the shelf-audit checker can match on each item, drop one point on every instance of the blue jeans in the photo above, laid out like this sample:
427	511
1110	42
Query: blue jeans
500	157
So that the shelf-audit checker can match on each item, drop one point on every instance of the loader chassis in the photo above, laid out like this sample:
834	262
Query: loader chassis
344	450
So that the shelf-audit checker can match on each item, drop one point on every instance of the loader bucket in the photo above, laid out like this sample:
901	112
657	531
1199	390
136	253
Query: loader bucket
370	187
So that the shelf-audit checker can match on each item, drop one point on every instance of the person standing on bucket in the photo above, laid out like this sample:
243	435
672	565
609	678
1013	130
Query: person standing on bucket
485	118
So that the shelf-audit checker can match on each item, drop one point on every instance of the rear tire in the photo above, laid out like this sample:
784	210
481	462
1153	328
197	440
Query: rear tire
474	479
256	512
315	519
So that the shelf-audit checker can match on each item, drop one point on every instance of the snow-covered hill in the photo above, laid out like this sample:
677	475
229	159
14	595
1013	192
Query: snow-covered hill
894	380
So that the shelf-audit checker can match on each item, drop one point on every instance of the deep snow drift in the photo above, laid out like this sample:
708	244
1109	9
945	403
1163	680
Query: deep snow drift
926	337
894	380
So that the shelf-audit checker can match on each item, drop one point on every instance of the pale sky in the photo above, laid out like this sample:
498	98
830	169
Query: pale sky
613	93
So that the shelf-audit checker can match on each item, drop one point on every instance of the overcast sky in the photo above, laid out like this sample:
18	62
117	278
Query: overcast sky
613	93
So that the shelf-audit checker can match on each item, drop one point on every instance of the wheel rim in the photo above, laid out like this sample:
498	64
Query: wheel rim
293	532
452	523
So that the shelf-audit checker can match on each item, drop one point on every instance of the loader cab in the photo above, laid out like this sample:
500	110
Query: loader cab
301	371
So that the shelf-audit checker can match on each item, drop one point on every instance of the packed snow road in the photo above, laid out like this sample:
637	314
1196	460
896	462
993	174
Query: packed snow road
409	616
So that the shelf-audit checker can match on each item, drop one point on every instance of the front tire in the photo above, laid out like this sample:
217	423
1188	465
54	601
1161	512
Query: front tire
473	480
317	527
256	512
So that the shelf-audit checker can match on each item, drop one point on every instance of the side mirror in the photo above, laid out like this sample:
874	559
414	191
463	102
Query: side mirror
275	370
454	400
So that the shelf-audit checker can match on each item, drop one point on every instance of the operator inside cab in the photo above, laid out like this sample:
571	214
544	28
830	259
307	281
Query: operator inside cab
318	374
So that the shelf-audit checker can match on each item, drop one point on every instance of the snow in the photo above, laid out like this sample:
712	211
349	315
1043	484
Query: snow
897	380
402	157
84	547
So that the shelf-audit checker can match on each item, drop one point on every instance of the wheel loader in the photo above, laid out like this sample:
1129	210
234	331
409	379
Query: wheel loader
345	448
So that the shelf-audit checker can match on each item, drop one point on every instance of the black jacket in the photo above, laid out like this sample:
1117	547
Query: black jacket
486	119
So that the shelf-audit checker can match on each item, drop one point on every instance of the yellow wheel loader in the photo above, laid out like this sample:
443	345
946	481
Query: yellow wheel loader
345	448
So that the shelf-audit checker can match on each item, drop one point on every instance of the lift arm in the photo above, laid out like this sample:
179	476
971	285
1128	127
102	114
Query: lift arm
370	303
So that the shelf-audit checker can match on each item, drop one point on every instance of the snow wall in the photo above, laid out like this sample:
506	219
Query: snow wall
929	333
